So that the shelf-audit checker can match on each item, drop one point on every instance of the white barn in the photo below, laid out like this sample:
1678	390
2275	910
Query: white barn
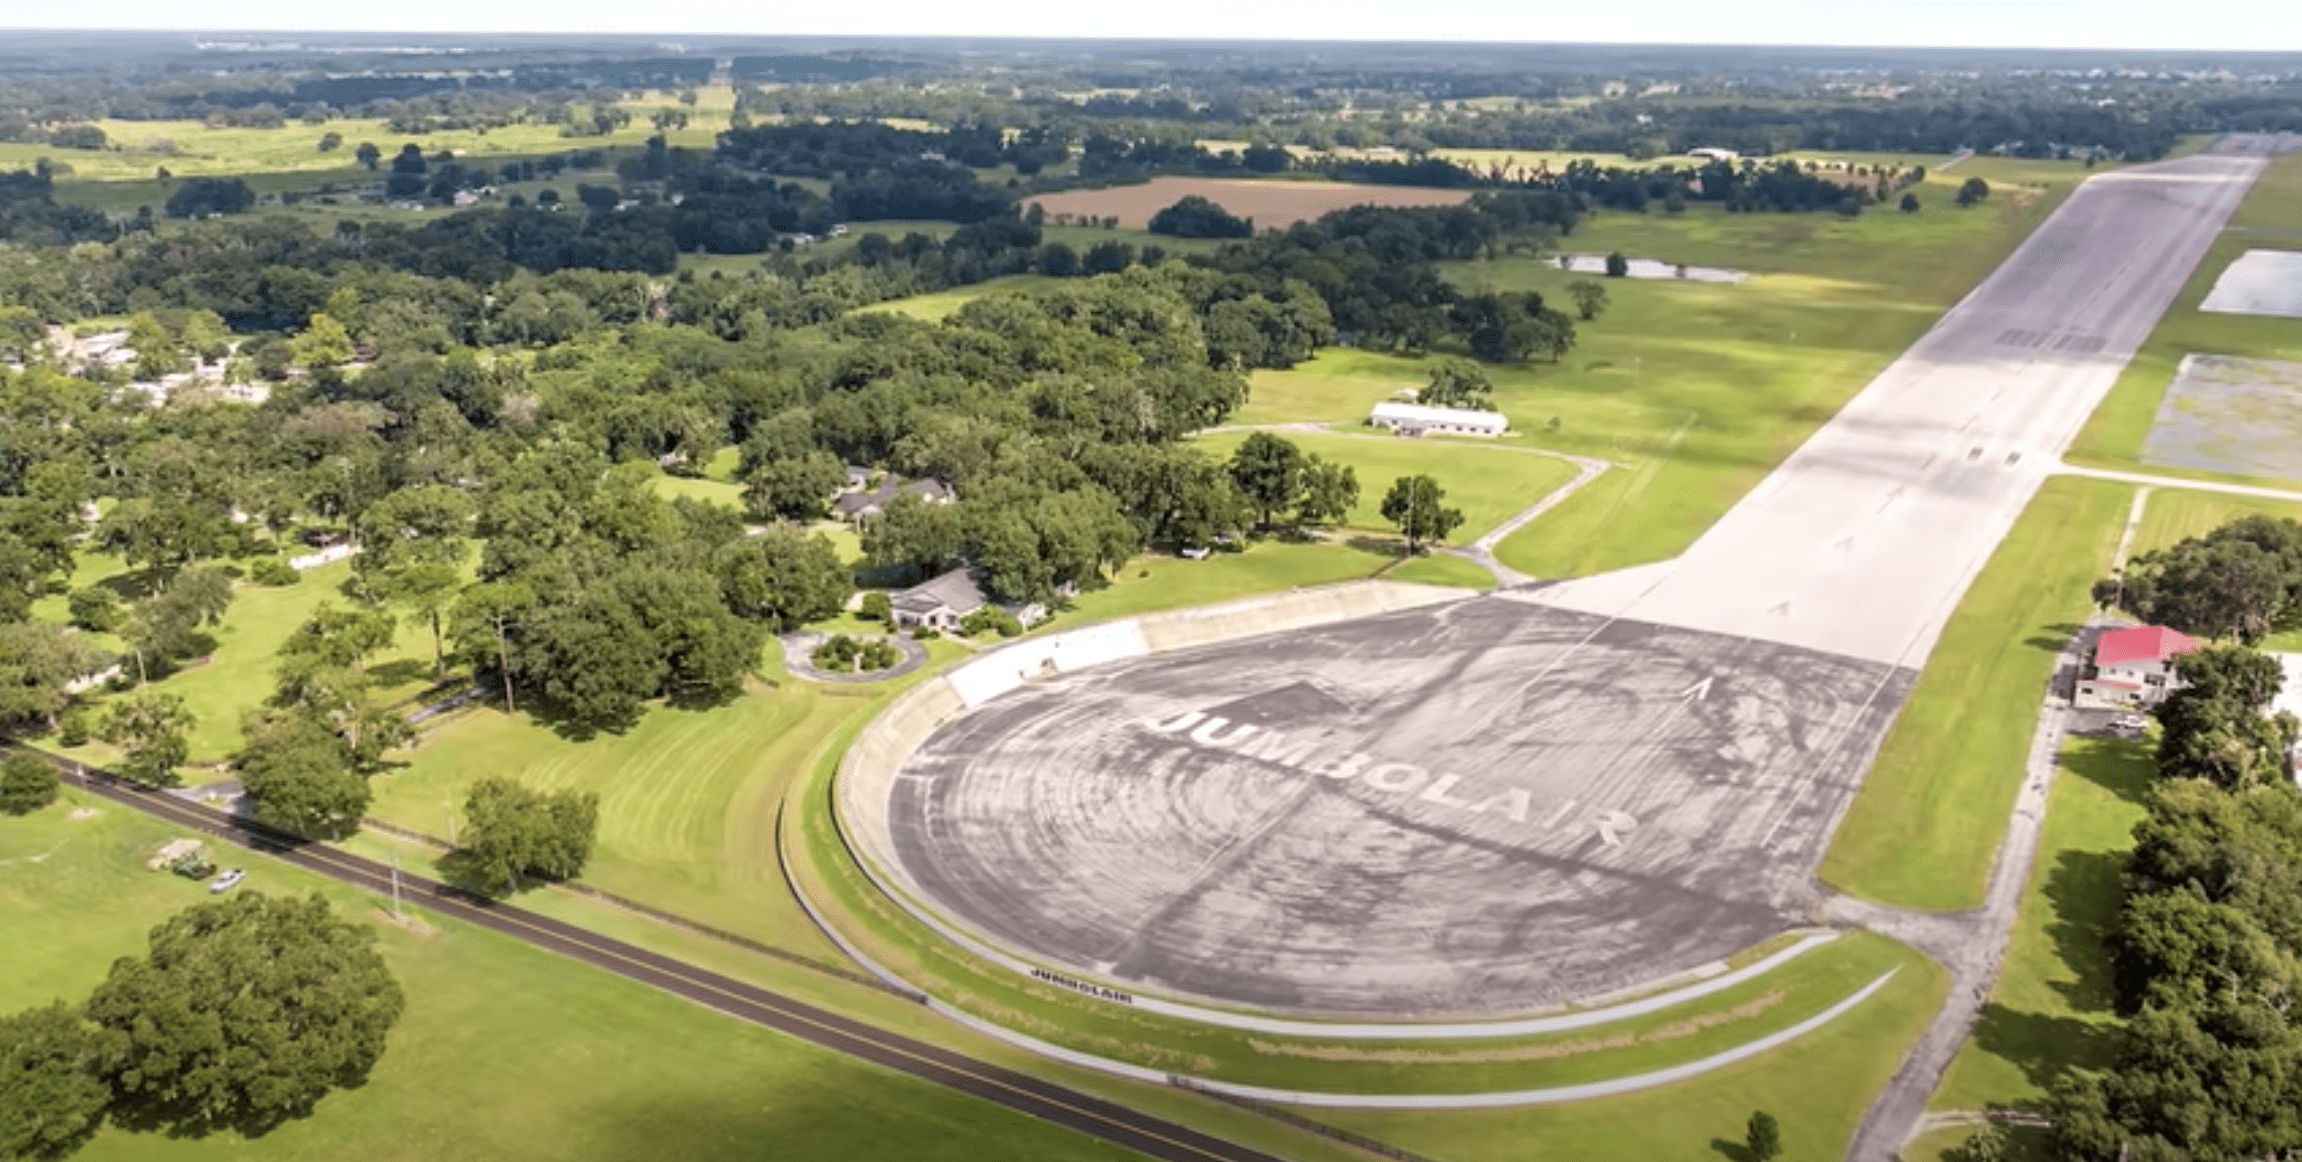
1414	419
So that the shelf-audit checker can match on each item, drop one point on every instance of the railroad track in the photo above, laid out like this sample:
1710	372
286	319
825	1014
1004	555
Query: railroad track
1042	1099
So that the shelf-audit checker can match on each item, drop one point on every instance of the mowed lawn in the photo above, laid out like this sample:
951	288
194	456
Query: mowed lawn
1487	481
240	673
1817	1087
2114	435
1924	828
505	1052
687	797
1699	389
2051	1011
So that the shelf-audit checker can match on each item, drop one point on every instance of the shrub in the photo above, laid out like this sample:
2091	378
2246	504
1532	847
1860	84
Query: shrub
95	609
74	729
925	633
839	653
274	572
26	784
877	607
877	655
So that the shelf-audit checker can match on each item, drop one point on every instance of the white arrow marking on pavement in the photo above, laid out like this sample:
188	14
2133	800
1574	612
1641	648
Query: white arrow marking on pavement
1699	690
1613	825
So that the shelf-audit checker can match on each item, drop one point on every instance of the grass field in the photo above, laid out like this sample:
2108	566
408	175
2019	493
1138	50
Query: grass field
1699	388
1817	1087
1923	830
687	798
2051	1010
1149	584
936	304
1487	481
1440	569
2113	437
505	1052
239	674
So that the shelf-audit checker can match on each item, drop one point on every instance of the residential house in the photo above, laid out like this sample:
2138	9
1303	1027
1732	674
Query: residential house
871	501
2133	668
941	603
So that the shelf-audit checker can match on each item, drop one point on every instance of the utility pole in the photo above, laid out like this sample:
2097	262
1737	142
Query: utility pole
504	665
398	913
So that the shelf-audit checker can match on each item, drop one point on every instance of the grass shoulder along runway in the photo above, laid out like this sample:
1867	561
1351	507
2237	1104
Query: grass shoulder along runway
2050	1012
1927	823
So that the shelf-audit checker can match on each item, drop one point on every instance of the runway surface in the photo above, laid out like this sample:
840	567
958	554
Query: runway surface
1681	737
1480	809
1151	1136
1862	542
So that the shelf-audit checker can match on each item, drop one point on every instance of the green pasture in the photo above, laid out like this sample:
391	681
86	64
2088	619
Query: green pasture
826	872
1150	584
189	148
1927	823
1699	389
2051	1011
505	1052
239	674
1487	480
934	305
2114	435
687	797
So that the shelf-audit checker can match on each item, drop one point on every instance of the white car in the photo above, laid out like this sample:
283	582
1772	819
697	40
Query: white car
225	882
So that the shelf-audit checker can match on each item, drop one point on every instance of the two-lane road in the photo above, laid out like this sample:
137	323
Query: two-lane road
1042	1099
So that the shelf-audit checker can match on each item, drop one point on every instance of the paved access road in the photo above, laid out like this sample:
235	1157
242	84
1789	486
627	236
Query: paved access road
1041	1099
1863	541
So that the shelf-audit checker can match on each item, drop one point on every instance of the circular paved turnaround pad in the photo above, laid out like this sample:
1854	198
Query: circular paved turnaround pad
1475	809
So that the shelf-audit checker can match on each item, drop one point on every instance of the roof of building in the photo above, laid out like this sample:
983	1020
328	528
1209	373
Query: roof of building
1427	414
928	489
2142	643
955	590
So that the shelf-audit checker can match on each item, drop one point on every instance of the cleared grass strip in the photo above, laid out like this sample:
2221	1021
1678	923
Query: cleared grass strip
1928	821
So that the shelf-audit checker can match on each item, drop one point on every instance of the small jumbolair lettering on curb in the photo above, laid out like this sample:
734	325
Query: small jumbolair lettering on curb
1079	986
1407	780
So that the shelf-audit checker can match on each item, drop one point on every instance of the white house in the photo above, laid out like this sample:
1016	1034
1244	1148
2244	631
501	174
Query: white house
1414	419
2133	669
1714	153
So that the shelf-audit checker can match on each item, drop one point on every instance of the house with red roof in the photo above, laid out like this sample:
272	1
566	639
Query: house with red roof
2133	668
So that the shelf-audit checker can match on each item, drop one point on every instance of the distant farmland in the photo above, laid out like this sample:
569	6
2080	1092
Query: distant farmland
1269	203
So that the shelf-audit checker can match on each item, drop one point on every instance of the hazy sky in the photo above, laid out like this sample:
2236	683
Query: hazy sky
2202	24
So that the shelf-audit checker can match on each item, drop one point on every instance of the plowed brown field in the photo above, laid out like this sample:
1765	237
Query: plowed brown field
1269	203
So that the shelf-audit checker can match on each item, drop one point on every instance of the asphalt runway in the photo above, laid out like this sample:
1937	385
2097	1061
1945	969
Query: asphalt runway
1151	1136
1863	541
1469	810
1563	790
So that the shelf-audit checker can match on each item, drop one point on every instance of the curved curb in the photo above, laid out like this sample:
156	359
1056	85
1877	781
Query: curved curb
1394	1101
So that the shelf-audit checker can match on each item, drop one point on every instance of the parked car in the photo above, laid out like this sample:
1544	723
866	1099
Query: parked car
225	882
